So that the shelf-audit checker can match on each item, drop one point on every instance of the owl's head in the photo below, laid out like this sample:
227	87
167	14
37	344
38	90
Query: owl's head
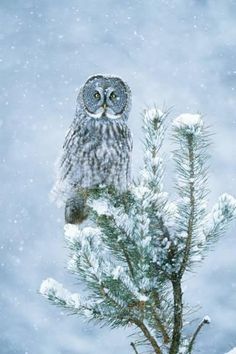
105	97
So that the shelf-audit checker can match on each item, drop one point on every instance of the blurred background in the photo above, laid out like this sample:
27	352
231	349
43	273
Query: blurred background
181	54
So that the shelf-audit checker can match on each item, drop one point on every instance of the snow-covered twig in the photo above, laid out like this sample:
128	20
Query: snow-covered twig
205	320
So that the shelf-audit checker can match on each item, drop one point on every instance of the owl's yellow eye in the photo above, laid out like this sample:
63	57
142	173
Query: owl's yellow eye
97	95
113	95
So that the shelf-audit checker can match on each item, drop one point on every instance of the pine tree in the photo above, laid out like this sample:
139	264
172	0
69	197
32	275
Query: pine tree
136	247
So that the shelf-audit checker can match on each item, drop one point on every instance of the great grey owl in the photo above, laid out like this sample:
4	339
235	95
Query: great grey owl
98	145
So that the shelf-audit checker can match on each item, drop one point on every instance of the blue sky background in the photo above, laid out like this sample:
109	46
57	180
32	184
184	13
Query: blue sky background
181	53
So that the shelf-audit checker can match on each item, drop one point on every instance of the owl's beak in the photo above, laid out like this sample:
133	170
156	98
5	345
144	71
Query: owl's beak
104	106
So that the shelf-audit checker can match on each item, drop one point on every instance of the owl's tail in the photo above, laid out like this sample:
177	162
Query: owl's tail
76	210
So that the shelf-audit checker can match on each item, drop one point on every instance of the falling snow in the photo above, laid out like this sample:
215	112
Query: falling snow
47	50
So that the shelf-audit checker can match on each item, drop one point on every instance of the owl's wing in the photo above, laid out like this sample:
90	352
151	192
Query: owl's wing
68	162
71	146
129	139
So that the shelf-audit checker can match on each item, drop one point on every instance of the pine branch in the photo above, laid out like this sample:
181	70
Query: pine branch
139	244
134	348
161	328
206	320
217	221
178	315
190	158
191	219
116	236
148	335
159	322
128	260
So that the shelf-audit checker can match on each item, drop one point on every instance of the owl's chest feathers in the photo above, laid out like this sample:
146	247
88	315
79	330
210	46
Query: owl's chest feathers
105	142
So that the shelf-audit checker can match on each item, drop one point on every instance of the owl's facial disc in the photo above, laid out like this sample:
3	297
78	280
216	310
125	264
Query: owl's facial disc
105	97
93	98
116	98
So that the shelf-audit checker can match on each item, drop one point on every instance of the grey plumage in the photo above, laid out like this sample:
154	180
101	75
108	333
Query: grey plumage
97	147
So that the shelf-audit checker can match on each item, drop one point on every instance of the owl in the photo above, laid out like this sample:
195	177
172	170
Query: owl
97	147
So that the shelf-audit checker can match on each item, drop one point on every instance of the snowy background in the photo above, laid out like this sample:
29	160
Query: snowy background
181	53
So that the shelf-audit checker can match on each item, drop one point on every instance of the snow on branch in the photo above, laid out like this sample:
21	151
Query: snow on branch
55	292
74	234
189	123
222	213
